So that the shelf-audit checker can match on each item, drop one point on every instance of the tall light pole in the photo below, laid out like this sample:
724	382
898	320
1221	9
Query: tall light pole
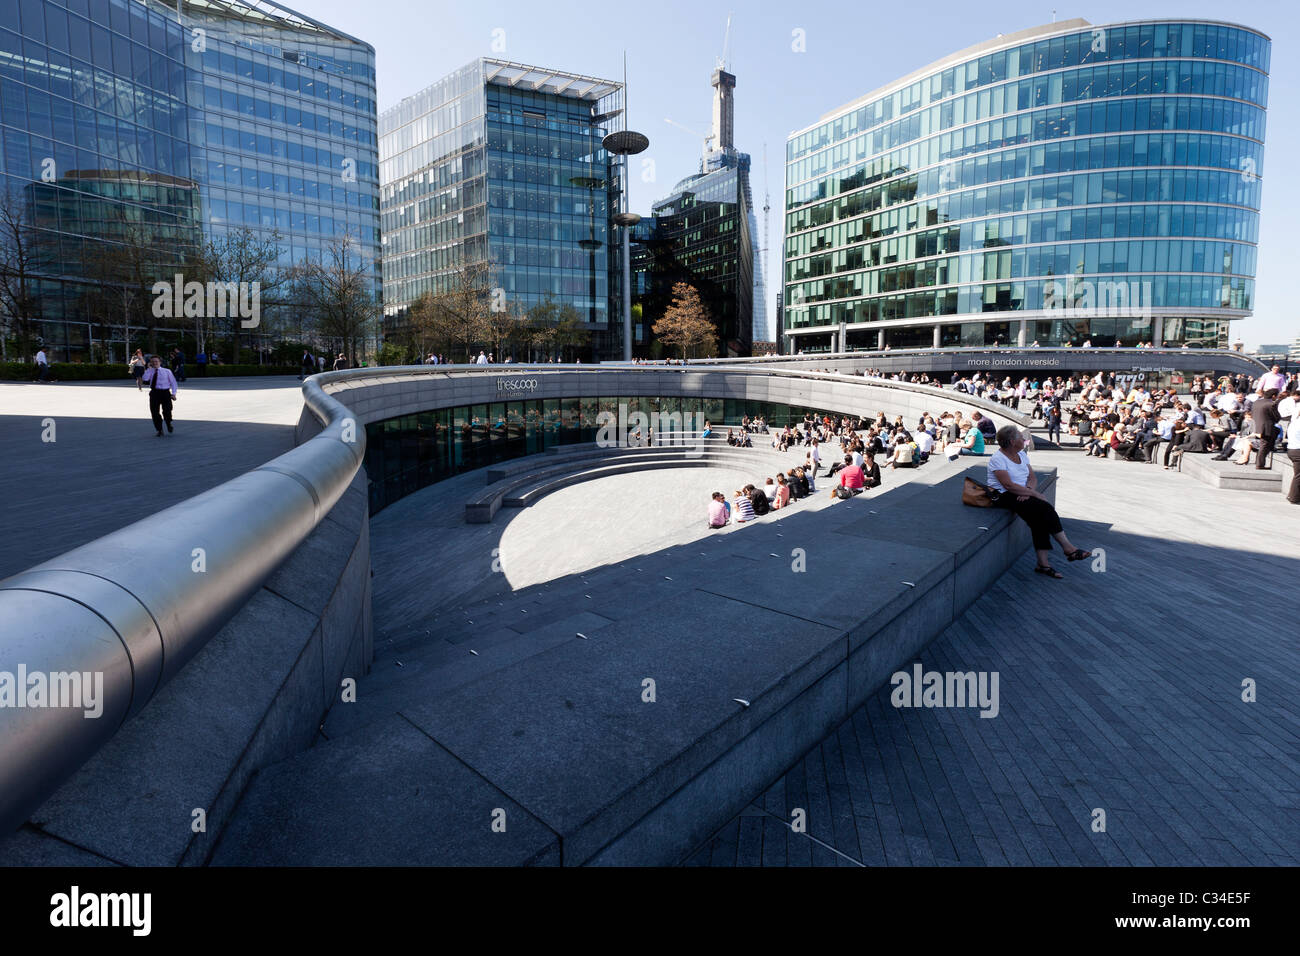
625	143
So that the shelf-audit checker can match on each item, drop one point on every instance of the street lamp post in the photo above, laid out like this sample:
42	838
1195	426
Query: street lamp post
626	143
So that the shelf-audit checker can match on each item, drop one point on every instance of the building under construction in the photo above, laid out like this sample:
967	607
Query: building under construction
703	233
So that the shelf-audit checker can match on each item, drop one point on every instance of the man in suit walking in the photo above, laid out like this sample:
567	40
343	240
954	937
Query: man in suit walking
162	392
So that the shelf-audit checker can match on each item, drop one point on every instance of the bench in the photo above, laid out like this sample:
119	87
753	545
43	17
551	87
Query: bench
482	507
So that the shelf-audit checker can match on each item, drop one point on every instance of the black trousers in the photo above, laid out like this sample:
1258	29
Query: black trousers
1174	443
1293	495
1041	517
1265	448
160	406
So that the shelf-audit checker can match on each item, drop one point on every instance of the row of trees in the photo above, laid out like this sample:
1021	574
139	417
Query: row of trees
326	298
469	314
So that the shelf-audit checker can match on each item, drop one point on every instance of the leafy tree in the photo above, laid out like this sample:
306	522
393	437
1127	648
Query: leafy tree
686	324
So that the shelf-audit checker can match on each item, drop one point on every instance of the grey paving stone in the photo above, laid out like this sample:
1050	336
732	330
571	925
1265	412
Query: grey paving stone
390	797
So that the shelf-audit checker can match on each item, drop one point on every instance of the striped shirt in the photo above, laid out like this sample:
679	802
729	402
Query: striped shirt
743	508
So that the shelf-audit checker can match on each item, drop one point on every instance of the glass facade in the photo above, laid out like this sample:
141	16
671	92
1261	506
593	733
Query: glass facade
122	116
702	235
502	165
1095	183
411	452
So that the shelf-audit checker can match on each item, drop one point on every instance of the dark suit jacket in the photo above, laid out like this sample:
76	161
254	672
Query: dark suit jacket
1264	414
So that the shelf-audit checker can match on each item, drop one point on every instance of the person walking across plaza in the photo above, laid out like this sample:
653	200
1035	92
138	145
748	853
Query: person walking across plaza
162	392
42	366
178	364
308	364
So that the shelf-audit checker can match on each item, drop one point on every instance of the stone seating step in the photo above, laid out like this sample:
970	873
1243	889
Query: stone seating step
1224	474
561	738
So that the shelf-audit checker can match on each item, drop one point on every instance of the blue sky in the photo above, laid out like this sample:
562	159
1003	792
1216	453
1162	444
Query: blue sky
851	48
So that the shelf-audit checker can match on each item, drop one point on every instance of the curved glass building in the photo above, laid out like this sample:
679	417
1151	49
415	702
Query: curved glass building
1062	185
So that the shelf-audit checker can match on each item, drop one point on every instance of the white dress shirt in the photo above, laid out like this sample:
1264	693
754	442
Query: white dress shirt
163	377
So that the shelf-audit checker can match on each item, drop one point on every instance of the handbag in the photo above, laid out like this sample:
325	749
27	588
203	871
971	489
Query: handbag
975	494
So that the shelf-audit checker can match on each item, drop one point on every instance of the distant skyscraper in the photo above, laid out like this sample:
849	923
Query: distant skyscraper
703	233
501	164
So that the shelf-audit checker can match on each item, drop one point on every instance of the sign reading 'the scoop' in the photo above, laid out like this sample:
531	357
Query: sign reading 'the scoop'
516	384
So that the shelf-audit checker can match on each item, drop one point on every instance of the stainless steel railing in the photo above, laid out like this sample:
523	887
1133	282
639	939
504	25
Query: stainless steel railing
131	608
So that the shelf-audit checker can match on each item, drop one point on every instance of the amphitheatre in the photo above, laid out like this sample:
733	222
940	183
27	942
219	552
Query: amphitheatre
436	615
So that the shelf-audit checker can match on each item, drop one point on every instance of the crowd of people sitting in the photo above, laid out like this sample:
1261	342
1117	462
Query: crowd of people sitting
863	445
1232	419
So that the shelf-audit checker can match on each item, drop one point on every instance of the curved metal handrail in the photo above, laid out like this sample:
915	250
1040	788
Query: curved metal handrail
131	608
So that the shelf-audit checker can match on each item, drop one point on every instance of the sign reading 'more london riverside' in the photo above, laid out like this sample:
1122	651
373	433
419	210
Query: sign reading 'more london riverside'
1013	363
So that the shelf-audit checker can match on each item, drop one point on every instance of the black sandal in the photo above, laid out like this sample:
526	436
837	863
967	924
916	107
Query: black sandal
1078	554
1049	571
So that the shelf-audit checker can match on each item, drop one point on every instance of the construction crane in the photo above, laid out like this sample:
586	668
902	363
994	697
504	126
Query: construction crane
726	43
767	232
706	138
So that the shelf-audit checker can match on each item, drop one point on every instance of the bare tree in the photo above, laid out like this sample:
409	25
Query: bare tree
461	313
686	324
127	265
242	257
337	288
22	250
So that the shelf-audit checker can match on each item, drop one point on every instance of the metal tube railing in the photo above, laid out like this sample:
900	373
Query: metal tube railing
127	611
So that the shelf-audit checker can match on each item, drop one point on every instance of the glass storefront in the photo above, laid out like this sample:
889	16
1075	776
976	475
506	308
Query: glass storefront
411	452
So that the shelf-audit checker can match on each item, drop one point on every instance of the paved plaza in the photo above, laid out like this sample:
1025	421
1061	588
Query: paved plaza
1120	686
1119	691
106	469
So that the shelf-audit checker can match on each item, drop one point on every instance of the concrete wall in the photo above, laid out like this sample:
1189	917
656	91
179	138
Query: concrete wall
254	695
377	397
1047	361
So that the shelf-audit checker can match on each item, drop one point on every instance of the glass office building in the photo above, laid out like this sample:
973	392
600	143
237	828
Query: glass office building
183	120
500	166
1062	185
701	235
